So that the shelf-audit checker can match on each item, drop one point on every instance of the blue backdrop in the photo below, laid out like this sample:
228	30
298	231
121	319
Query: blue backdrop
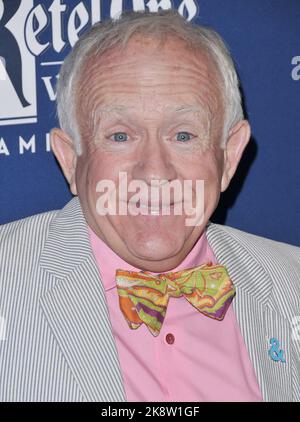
264	38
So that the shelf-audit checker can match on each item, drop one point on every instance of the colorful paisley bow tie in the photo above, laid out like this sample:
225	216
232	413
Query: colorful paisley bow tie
144	297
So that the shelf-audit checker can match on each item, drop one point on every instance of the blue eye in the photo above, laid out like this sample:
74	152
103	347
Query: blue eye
120	136
183	136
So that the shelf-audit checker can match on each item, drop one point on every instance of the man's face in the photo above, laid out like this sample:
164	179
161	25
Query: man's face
154	113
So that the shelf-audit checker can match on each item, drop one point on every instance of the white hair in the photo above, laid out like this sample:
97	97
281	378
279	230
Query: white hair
117	33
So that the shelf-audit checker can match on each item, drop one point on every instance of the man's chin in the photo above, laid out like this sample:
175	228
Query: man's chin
156	256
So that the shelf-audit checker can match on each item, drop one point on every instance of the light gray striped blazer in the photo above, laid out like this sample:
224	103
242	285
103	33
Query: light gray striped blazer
57	343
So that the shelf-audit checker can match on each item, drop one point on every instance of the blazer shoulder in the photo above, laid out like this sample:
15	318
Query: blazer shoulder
262	246
27	234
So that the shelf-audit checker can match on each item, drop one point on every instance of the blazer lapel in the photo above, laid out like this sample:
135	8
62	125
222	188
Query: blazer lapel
75	306
257	315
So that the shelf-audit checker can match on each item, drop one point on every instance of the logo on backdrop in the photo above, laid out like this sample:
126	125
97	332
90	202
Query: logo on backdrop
18	85
34	38
296	68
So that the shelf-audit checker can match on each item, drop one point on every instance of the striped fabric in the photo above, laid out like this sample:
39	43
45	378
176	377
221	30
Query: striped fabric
56	341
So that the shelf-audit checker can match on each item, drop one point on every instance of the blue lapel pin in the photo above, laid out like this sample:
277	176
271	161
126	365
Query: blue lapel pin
275	352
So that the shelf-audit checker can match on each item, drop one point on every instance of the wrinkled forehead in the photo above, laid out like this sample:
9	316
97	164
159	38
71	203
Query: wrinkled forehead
168	50
152	70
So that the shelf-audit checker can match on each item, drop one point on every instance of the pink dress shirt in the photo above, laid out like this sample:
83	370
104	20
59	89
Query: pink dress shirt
194	358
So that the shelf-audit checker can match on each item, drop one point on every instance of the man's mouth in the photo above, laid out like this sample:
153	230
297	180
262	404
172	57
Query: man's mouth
160	208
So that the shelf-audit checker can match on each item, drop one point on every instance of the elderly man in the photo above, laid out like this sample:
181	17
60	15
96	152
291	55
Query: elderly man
141	306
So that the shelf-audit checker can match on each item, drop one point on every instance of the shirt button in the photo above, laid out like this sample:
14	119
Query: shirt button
170	339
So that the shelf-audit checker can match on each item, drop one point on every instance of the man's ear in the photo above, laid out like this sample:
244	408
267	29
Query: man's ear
64	150
237	141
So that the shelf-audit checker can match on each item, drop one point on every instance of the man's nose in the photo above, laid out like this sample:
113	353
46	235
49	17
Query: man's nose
154	163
